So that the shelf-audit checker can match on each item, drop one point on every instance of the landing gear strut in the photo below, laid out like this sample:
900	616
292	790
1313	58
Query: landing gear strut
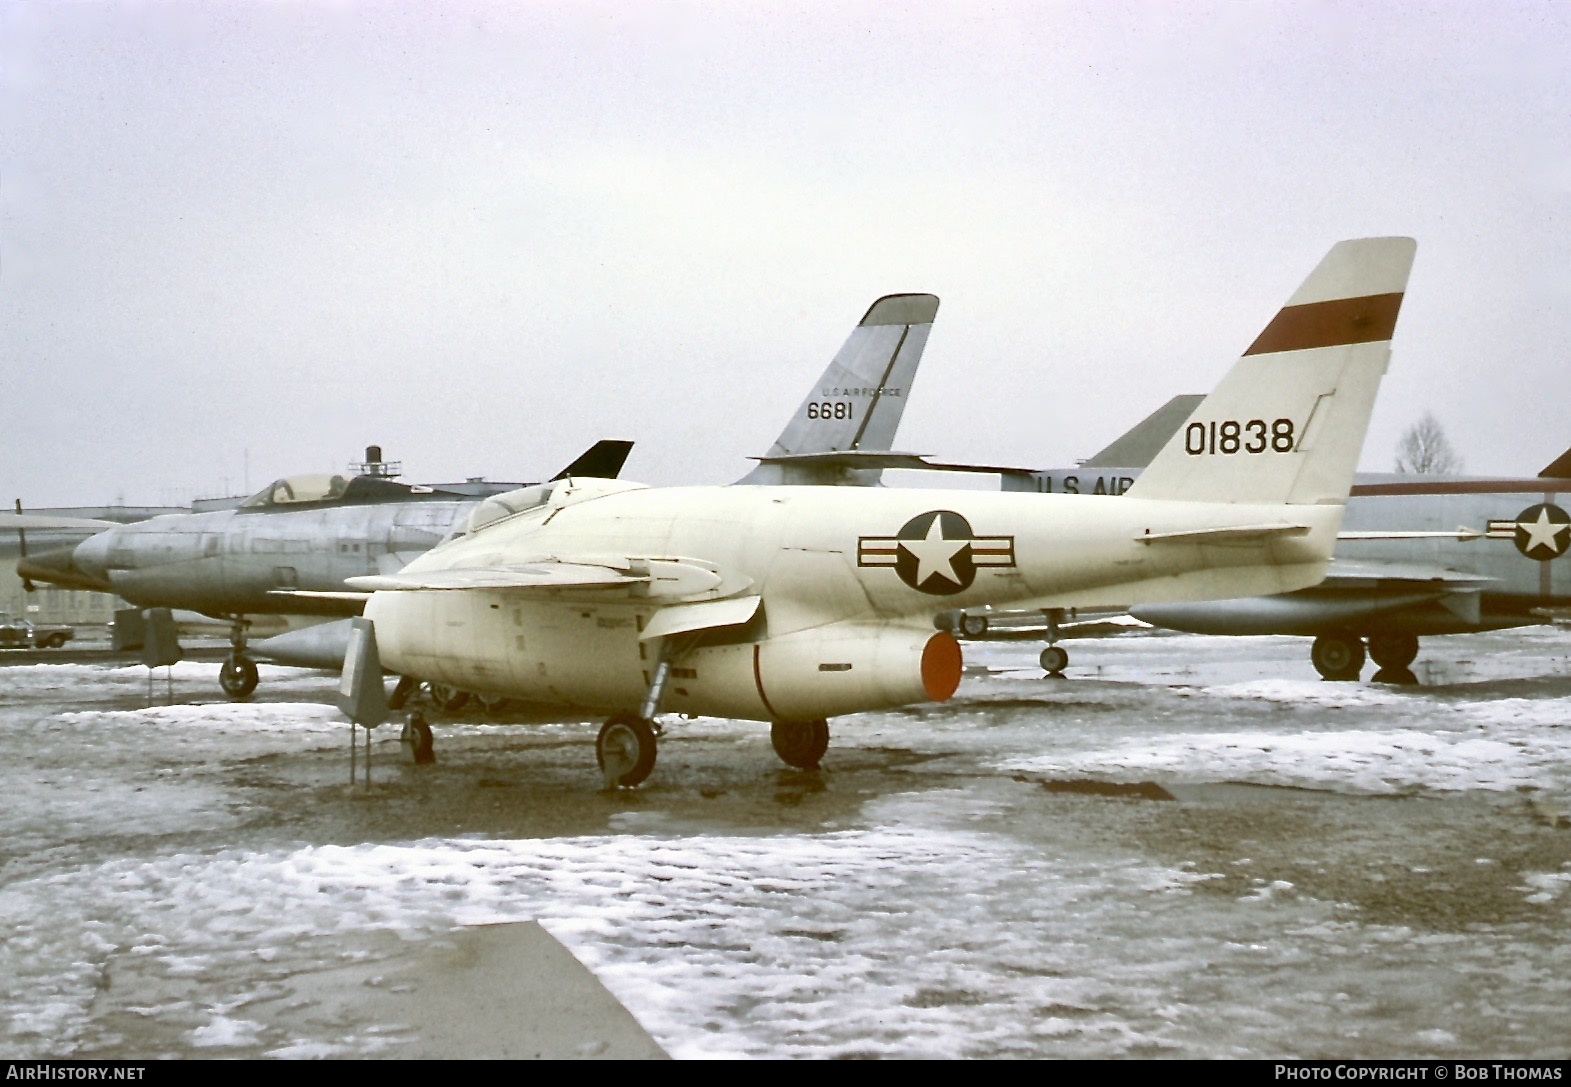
626	746
1053	659
238	675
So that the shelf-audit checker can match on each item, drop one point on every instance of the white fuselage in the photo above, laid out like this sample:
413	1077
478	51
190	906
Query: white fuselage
841	624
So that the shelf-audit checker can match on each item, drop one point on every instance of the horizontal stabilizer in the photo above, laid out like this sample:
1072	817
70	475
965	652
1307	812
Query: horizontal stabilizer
873	458
1233	534
1461	532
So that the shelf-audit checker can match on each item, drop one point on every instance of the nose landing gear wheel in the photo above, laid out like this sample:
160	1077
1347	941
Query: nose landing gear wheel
800	743
237	676
1337	656
625	750
422	745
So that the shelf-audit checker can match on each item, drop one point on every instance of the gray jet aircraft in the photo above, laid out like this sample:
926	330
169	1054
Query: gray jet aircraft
301	532
1402	571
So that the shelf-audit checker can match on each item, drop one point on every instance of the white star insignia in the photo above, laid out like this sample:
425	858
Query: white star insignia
935	554
1542	532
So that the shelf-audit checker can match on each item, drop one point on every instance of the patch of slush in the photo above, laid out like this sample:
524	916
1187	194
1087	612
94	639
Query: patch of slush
225	718
1348	760
40	678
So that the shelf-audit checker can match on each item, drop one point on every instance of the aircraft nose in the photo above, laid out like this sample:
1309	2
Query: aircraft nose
91	556
58	567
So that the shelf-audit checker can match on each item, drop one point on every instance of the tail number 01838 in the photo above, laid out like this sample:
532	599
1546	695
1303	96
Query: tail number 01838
838	409
1230	436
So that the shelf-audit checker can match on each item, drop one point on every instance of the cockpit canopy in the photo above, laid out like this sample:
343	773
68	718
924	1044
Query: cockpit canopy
319	490
295	490
501	506
557	493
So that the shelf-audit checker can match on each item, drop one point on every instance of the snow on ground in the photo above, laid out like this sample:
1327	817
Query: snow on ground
187	677
1321	736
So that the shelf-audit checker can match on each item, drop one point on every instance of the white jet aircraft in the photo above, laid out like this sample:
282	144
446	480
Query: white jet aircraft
795	604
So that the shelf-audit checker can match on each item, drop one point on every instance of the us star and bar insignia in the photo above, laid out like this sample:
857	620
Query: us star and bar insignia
936	552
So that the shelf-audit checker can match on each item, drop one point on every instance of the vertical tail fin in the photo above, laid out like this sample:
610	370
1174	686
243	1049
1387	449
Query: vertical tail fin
603	460
857	403
1140	443
1287	423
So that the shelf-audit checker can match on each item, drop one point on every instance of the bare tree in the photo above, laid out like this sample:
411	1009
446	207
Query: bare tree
1424	450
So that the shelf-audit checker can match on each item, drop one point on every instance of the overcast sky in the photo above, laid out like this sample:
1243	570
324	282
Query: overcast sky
239	241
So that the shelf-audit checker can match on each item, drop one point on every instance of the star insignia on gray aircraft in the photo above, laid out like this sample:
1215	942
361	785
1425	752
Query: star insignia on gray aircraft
936	552
1543	531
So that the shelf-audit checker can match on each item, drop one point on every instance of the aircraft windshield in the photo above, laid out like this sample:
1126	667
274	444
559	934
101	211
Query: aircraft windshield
297	489
499	507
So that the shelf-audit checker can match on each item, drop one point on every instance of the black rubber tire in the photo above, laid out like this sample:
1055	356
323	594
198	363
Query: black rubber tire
1053	660
238	676
800	743
628	739
1337	656
424	747
1393	650
973	626
54	641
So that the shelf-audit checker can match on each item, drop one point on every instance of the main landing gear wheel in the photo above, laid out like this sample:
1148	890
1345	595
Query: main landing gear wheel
237	676
973	626
800	743
1393	650
1053	660
1337	656
625	750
